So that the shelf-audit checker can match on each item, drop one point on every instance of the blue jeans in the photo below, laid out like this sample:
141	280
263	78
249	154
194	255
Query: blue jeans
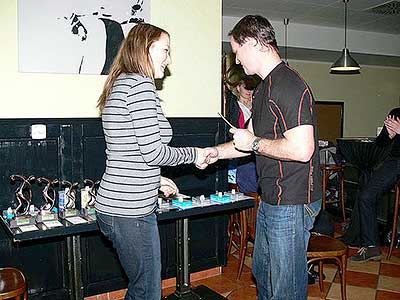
280	250
138	247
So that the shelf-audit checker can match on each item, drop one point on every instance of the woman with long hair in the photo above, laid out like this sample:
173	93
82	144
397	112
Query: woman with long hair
137	135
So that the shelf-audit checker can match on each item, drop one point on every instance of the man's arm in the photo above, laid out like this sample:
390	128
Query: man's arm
297	143
228	150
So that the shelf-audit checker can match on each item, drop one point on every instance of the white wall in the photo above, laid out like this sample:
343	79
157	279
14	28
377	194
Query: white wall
328	38
193	89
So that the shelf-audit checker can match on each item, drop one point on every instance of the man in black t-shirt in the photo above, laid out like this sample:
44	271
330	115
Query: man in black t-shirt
382	180
284	138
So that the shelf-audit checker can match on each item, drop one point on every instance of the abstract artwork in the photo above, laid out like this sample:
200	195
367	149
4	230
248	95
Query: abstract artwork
74	36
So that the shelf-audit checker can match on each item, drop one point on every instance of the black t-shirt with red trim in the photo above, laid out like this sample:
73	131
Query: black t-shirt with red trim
283	101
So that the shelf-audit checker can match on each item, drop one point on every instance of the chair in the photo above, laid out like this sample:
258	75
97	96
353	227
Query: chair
242	229
327	171
395	219
12	284
322	248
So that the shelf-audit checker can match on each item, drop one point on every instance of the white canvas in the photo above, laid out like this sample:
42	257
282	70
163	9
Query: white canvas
74	36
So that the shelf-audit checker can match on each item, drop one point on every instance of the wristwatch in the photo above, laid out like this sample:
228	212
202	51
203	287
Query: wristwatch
256	144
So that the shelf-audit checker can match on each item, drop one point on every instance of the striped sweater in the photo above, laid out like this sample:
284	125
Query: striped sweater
136	134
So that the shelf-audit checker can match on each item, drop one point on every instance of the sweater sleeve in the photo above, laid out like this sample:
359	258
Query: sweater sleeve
142	106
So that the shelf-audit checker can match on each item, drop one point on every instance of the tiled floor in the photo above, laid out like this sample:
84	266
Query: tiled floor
365	281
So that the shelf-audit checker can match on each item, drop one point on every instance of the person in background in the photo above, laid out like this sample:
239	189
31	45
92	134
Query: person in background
283	136
137	135
238	113
382	180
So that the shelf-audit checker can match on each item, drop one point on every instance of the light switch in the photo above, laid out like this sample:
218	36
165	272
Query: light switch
38	131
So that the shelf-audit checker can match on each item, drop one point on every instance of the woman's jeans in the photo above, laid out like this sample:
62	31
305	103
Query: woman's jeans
138	246
280	250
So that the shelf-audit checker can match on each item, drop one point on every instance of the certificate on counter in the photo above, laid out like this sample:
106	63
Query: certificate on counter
76	220
52	224
27	228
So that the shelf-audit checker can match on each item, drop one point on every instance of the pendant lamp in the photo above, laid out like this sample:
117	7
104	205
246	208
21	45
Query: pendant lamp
345	62
286	23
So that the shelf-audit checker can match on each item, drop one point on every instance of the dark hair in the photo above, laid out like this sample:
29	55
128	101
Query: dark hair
249	82
256	27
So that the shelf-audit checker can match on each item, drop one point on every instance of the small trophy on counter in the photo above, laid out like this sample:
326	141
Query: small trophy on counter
47	211
88	197
24	213
66	200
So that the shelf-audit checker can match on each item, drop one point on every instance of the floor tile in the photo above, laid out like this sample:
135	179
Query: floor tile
363	280
352	292
314	291
389	283
359	279
220	284
390	270
247	293
366	267
385	295
393	260
330	273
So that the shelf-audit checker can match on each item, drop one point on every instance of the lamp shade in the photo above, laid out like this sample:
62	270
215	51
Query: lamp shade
345	63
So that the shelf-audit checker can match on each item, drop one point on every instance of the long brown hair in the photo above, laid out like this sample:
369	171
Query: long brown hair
132	57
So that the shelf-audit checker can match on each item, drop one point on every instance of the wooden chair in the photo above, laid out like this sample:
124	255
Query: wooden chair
328	170
242	229
12	284
325	248
395	219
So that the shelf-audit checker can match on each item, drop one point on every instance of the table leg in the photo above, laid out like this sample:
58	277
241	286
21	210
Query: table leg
74	259
183	290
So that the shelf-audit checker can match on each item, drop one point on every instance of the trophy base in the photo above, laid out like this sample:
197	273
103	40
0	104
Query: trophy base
89	211
46	216
66	213
21	221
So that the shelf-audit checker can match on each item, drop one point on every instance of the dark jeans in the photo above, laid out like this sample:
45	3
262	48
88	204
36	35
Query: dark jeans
382	180
280	250
138	246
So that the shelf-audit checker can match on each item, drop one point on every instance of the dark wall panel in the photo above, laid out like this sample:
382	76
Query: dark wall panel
73	150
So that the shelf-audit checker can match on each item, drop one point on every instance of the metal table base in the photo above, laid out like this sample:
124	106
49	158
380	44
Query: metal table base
183	289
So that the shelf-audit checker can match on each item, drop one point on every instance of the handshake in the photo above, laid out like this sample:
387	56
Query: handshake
206	156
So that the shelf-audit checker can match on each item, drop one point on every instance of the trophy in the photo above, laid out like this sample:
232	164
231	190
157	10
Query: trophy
24	213
66	200
47	211
88	197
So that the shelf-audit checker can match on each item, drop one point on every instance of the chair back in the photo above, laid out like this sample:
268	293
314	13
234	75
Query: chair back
12	284
251	215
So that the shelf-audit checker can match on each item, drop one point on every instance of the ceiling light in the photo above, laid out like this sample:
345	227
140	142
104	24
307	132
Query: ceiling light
286	23
345	62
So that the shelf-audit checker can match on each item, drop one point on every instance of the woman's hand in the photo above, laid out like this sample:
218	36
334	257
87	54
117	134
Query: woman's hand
168	187
206	156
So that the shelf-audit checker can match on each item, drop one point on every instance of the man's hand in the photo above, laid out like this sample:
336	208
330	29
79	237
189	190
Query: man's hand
392	124
206	156
242	139
168	187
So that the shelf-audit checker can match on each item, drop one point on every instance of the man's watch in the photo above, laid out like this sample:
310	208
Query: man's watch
256	144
